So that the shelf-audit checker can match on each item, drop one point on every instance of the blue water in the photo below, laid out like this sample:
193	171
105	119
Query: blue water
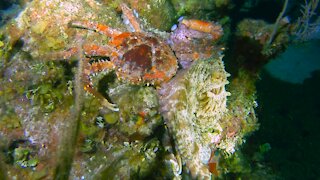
297	63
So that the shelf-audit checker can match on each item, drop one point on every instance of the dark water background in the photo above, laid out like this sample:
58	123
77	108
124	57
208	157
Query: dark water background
289	117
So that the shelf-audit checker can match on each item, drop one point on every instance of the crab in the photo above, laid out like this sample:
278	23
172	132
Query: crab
137	57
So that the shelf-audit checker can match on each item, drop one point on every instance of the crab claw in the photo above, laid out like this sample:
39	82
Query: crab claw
112	107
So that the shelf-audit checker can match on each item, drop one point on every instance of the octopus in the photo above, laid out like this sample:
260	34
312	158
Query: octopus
193	104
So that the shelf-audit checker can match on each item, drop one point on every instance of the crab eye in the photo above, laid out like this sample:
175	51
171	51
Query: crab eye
180	18
174	27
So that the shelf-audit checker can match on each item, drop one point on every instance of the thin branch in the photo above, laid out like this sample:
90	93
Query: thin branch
276	25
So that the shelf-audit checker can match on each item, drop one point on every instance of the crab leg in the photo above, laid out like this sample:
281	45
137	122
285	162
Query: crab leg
106	30
89	51
93	68
103	51
100	28
129	15
99	66
73	53
207	27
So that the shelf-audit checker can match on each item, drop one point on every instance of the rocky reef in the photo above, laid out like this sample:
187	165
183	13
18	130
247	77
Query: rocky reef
192	126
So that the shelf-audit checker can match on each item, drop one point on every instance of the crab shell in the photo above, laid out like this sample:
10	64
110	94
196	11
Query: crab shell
145	59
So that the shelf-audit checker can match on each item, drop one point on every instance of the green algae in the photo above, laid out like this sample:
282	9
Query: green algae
4	50
236	163
89	146
9	38
88	128
138	109
244	91
1	48
9	120
221	3
205	9
22	157
149	10
50	86
136	161
111	118
46	96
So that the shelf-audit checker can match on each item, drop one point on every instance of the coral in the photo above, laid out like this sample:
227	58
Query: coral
192	104
250	49
261	32
307	26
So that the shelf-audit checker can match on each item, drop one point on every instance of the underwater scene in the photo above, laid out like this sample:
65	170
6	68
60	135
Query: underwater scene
159	89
